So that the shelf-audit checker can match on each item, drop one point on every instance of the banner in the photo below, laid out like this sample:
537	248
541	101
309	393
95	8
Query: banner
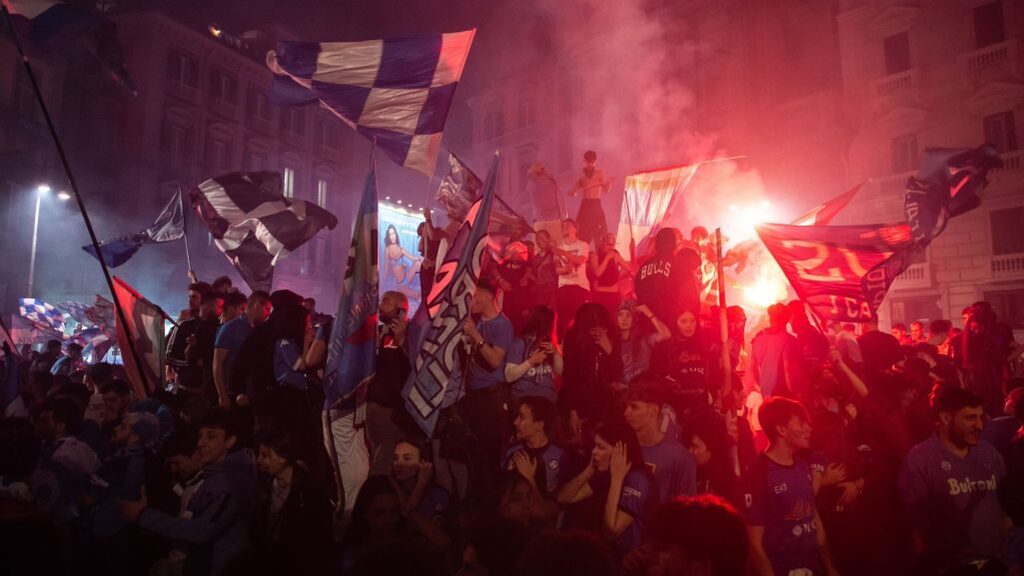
647	202
145	331
436	330
841	272
352	353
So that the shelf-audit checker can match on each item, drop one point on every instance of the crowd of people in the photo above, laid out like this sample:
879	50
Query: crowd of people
601	425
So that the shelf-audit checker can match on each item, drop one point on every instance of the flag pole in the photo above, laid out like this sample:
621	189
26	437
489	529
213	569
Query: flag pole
71	180
184	231
723	318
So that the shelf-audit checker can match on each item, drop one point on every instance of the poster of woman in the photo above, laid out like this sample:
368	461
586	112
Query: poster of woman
400	260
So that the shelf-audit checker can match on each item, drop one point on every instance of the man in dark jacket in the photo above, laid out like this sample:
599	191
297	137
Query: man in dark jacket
667	281
221	510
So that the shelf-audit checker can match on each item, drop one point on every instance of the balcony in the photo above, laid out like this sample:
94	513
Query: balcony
224	109
1008	266
1013	167
894	185
184	91
894	88
915	276
995	61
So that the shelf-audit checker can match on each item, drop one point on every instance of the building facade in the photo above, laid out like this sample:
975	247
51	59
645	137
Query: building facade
939	74
201	110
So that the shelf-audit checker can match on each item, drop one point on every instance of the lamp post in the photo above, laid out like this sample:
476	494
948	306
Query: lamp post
41	191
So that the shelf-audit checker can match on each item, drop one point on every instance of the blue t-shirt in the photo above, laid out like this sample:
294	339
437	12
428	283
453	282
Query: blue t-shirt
952	501
673	467
538	380
637	498
781	499
230	337
497	332
435	504
552	465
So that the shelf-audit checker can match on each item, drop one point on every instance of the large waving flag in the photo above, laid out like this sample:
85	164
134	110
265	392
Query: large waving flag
145	334
168	227
436	329
254	224
947	185
352	355
396	91
841	272
822	214
42	316
647	202
461	188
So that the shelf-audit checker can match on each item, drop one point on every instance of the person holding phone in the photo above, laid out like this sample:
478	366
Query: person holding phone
534	360
384	395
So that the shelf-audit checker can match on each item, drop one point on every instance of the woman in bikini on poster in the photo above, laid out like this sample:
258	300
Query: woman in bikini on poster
402	264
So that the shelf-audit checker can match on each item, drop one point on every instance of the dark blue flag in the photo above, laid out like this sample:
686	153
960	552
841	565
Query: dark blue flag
436	330
169	226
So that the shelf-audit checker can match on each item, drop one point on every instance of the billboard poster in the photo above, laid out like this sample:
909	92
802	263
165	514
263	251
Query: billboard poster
400	257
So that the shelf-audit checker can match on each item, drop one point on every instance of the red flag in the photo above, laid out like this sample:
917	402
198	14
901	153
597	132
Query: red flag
145	332
841	272
825	212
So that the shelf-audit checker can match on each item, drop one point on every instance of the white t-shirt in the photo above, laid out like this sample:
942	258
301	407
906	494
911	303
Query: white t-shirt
578	276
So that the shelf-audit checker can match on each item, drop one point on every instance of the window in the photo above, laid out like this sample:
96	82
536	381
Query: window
294	121
326	136
321	192
494	125
175	142
222	87
257	106
923	309
1009	306
1007	232
182	68
289	183
897	53
988	25
904	153
1001	131
218	154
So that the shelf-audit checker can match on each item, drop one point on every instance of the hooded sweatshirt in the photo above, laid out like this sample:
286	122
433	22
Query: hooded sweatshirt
221	513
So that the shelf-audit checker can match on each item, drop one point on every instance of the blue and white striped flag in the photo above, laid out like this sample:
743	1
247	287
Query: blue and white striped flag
42	315
352	353
436	329
395	91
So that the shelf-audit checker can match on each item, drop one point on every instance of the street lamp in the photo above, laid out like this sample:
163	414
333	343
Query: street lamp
41	190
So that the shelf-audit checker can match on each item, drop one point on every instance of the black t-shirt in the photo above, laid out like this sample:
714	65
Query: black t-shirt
393	369
669	285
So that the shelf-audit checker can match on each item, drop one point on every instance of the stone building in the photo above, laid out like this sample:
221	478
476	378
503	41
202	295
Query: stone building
948	74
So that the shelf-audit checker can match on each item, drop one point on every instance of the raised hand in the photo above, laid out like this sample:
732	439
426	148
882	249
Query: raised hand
620	463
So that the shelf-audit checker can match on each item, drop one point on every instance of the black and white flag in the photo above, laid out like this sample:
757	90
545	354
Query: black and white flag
254	224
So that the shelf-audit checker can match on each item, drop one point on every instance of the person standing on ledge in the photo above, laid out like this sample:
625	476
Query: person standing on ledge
592	184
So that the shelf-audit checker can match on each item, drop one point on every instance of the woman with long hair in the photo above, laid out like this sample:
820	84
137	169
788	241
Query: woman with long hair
403	264
534	359
593	369
617	479
295	516
707	438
